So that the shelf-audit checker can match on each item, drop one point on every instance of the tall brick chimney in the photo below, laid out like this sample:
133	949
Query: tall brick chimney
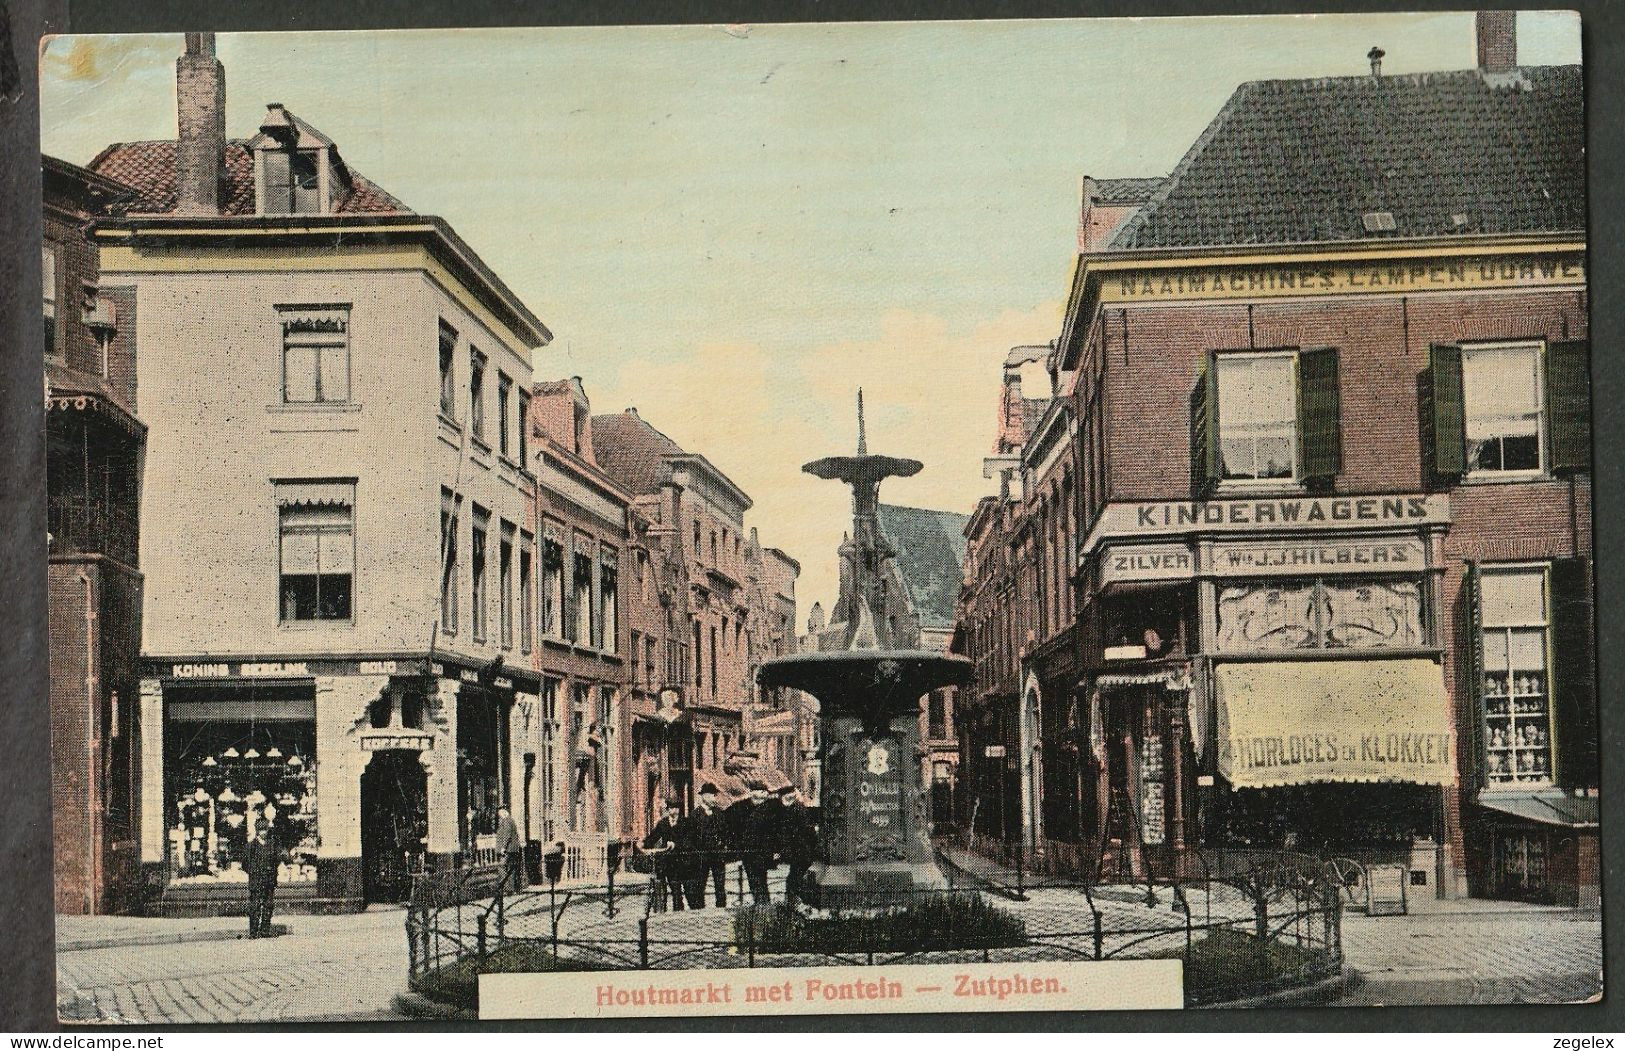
200	126
1497	41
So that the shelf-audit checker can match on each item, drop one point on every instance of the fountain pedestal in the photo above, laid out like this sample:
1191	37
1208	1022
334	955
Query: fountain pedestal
876	816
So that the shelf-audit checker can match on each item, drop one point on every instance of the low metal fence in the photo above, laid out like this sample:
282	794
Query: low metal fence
1244	923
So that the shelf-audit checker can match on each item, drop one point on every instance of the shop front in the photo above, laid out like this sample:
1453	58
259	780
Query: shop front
373	770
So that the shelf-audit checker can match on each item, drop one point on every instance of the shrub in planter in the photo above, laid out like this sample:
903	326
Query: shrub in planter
929	924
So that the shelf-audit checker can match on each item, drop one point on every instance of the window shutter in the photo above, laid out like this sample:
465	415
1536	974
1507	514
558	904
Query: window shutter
1573	684
1472	596
1320	435
1446	416
1568	403
1205	467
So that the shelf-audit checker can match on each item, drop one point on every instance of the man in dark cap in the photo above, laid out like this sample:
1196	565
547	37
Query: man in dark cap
798	842
756	835
667	841
261	859
510	849
708	842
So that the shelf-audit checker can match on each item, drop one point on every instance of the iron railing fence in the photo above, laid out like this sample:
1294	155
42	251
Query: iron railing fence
1244	923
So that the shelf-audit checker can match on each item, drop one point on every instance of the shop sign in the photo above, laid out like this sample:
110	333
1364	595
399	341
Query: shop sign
376	667
1268	557
469	675
993	751
1139	562
502	682
379	742
1260	514
276	669
1320	279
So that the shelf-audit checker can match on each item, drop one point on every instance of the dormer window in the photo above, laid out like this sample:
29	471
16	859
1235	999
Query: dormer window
297	171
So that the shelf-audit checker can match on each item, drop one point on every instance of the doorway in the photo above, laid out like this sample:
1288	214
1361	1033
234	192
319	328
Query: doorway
394	824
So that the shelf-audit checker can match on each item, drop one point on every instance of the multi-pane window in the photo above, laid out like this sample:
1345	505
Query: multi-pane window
505	586
527	596
609	603
1257	415
699	657
1513	618
476	393
581	619
648	659
504	393
448	369
315	354
292	181
450	508
316	526
1503	408
550	756
637	644
552	585
48	281
476	566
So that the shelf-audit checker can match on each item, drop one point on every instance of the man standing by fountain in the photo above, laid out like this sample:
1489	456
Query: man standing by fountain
798	842
755	826
708	841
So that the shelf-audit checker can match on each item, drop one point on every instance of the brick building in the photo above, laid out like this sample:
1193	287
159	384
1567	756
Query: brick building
93	479
585	653
1330	446
335	502
722	606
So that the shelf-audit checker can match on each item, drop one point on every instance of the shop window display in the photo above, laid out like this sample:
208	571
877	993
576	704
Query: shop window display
222	778
1517	729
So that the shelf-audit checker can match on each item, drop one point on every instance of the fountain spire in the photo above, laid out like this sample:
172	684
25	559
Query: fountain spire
863	446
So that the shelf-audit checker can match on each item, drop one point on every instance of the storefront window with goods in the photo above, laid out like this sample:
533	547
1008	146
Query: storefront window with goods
1517	726
222	778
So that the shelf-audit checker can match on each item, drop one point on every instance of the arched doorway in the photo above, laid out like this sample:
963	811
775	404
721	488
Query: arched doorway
394	823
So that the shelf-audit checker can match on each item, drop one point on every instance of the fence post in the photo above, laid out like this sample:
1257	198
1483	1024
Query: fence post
739	882
1021	866
750	935
479	942
1100	935
609	908
643	943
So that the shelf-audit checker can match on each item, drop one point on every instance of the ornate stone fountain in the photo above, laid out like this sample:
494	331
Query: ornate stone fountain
870	677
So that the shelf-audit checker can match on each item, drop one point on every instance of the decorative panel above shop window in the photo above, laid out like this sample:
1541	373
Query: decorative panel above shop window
1264	616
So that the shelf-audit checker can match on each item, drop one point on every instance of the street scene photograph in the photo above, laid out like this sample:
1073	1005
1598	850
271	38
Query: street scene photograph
829	518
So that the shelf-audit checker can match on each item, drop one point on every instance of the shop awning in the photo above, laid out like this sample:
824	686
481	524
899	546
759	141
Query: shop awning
1305	722
1546	808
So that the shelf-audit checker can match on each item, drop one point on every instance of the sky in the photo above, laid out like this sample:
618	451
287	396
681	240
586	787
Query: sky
734	228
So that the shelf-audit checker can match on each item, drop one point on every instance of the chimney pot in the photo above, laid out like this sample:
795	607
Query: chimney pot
1497	33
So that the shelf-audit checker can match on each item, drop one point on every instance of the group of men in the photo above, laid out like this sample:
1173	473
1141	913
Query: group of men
759	830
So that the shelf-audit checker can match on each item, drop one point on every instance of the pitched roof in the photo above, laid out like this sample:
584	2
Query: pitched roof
631	452
930	556
149	168
1126	191
1293	161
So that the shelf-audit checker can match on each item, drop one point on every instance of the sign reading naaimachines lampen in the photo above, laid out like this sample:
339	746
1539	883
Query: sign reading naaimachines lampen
1301	722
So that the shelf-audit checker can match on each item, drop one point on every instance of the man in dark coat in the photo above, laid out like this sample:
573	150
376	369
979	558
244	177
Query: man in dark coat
667	841
708	845
512	851
756	837
798	842
261	859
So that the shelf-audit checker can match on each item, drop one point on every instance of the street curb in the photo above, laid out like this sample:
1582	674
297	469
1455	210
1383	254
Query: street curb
163	938
416	1005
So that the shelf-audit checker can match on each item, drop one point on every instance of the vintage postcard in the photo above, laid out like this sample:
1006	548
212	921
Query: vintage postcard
790	519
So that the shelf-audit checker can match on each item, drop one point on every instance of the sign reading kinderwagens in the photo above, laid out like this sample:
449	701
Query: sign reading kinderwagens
1269	513
1302	722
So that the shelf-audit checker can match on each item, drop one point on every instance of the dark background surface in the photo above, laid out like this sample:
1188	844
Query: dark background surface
27	970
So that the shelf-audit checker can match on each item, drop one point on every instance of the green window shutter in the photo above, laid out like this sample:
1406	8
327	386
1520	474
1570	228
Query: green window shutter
1205	465
1446	416
1475	671
1568	403
1320	434
1573	682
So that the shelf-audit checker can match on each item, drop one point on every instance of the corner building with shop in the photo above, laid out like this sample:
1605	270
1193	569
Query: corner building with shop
1329	411
336	511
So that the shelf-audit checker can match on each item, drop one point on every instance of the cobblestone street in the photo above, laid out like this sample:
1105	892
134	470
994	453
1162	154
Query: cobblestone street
1474	952
326	968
